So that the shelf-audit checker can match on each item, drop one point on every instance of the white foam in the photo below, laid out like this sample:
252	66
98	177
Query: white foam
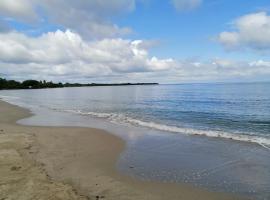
6	98
120	118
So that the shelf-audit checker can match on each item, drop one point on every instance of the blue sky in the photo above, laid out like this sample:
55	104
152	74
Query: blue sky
190	33
168	41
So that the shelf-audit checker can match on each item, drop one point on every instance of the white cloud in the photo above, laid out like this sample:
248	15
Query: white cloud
252	31
219	70
66	56
183	5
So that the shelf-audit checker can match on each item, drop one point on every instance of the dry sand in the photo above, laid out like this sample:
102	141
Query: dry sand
72	163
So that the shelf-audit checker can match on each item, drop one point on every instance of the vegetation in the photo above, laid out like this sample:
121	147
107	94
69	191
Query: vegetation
34	84
28	84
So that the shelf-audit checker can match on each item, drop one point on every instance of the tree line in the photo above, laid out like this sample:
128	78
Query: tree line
28	84
34	84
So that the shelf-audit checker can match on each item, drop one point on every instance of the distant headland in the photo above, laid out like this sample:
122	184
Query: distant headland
34	84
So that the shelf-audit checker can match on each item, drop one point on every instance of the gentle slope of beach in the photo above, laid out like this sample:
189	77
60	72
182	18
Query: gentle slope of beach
72	163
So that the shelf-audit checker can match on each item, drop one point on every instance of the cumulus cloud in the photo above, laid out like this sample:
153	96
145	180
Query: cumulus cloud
218	70
252	31
183	5
65	55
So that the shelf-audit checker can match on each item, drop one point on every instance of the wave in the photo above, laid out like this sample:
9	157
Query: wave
263	123
6	98
121	118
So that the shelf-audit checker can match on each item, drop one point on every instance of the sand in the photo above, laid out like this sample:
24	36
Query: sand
72	163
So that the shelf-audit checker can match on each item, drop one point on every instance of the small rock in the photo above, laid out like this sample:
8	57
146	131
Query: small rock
15	168
100	197
28	147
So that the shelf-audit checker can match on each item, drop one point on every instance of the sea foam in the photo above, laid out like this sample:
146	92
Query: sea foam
123	119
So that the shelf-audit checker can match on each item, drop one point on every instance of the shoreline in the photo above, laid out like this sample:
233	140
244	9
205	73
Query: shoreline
82	162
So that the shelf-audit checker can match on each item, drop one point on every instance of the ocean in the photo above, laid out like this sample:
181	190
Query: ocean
215	136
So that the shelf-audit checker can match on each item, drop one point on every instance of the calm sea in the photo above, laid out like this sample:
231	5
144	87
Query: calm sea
238	111
217	114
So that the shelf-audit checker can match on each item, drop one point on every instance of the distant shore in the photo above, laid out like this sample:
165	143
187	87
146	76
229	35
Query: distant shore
72	163
35	84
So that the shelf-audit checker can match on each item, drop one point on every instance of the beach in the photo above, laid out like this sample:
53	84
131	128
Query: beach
134	100
72	163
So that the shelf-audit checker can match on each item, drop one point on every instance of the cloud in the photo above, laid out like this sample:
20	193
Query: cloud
21	10
92	19
66	56
217	70
183	5
252	31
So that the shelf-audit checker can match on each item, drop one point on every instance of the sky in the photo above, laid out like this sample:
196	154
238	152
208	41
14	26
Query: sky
165	41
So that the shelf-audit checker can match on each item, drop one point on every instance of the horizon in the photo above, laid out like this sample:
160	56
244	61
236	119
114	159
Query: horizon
169	42
179	83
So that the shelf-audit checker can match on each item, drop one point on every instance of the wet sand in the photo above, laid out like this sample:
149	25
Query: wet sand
72	163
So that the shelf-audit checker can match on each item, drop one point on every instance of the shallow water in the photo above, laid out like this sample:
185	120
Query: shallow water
238	111
162	126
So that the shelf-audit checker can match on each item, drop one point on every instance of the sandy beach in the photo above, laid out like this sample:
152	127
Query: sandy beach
72	163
